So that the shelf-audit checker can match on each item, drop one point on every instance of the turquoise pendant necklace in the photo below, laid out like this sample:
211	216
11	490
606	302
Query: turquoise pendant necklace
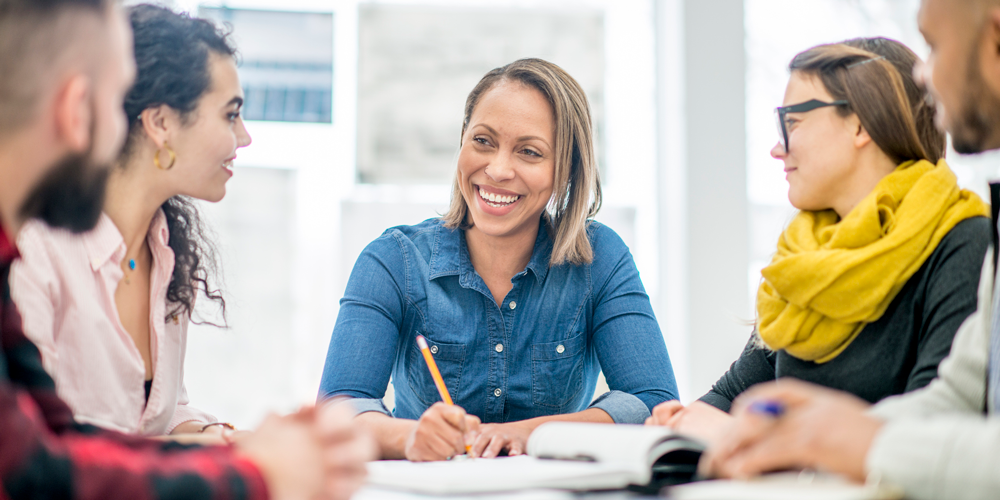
131	267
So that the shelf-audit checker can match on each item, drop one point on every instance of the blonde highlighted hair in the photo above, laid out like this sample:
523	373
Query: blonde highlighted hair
576	188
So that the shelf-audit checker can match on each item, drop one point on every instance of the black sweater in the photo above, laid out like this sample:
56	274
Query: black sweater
900	351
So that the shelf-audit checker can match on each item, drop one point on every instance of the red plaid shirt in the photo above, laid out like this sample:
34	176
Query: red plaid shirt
44	453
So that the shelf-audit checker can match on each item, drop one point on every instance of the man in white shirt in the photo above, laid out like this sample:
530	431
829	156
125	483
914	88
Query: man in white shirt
942	441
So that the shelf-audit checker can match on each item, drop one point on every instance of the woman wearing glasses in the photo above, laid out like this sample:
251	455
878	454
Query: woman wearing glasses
876	272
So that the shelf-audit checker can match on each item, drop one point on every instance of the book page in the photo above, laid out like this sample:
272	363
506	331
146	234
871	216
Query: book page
634	447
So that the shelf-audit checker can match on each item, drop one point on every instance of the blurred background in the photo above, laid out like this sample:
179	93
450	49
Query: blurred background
355	108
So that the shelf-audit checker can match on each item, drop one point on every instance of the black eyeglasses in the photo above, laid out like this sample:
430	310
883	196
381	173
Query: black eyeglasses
780	112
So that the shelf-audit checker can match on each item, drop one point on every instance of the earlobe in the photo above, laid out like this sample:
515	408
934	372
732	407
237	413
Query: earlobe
74	114
861	137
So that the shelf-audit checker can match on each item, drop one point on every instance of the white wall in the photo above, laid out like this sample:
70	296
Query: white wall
702	185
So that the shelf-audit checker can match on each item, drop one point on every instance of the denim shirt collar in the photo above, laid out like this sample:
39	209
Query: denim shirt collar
450	255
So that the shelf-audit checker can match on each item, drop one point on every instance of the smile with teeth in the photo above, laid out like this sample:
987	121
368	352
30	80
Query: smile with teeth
498	200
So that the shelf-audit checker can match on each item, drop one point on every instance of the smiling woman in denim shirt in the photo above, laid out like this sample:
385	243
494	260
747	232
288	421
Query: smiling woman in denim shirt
523	299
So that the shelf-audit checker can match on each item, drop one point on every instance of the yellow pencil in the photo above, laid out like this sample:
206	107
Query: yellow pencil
436	375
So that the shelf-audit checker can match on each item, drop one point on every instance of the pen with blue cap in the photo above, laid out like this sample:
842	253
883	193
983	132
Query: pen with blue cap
768	408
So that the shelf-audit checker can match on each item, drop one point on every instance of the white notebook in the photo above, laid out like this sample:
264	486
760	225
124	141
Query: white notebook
561	455
484	475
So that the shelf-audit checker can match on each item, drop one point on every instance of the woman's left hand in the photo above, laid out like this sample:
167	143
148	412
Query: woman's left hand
698	420
664	412
494	438
213	439
194	432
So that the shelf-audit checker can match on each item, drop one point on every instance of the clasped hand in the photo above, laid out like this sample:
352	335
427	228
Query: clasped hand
316	453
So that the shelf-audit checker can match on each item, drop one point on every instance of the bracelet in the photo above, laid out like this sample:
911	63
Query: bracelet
225	425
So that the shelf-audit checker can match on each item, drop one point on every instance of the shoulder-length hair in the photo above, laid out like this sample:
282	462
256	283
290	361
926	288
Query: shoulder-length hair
869	74
576	195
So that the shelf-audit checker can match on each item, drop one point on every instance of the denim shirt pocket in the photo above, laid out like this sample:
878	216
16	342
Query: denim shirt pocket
557	371
449	358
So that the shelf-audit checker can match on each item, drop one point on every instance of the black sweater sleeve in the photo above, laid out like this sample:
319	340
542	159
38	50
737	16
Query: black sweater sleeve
950	296
755	365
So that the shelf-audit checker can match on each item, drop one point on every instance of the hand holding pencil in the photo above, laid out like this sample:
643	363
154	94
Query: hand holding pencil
444	430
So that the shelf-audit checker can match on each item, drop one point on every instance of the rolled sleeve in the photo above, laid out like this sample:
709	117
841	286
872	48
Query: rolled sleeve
624	408
365	405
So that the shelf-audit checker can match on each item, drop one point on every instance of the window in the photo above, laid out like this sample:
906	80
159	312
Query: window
286	62
416	65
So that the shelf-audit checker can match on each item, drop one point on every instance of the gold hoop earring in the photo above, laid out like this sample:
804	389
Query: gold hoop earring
173	157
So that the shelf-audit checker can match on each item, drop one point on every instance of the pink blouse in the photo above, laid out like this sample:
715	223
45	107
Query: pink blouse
64	285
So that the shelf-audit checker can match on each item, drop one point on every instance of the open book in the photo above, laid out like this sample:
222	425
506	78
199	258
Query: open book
561	455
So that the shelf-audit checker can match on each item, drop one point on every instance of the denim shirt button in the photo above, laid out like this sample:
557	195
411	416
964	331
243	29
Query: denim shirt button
560	348
499	347
434	349
513	304
497	392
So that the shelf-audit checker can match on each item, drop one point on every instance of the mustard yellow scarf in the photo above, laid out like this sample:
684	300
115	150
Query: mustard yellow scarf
828	278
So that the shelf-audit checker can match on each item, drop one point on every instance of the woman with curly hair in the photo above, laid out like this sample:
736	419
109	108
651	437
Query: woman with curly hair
109	309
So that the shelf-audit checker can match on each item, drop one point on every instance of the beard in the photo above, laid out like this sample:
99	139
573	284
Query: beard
976	127
71	196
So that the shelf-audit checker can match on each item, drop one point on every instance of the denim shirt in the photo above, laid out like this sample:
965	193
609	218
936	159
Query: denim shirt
538	353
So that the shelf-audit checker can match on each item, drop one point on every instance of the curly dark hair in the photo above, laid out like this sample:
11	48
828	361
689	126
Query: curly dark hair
172	55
